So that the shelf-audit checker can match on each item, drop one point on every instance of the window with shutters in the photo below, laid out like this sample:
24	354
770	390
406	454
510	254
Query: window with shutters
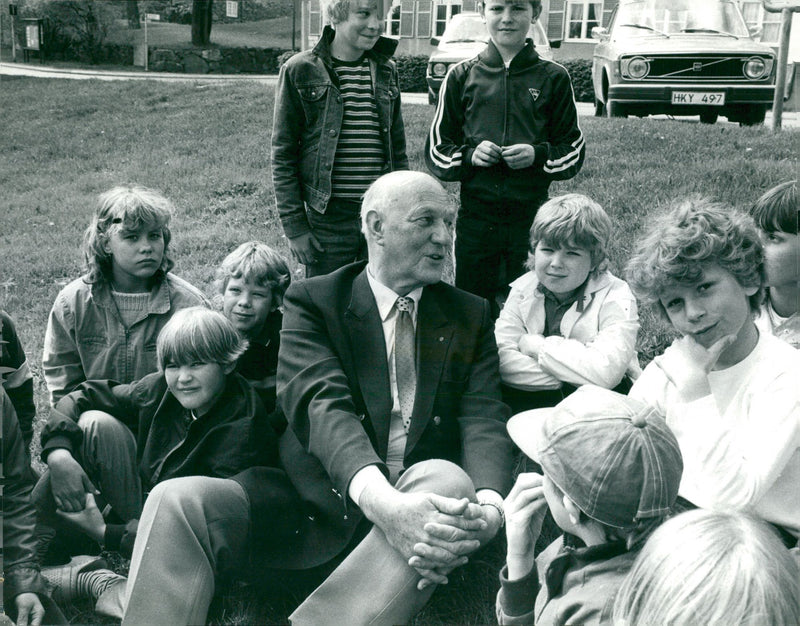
581	17
393	21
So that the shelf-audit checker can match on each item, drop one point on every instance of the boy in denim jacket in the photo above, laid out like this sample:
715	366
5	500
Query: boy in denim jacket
337	127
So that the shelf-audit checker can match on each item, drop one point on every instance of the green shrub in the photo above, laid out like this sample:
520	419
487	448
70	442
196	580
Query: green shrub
285	56
73	29
253	10
412	73
580	70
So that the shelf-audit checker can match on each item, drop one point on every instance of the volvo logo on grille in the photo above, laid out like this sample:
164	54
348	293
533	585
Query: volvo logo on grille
696	67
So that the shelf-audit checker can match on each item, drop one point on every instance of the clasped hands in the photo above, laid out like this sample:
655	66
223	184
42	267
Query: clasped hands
517	156
74	493
433	533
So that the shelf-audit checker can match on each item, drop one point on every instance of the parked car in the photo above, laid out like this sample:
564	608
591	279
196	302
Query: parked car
463	38
681	57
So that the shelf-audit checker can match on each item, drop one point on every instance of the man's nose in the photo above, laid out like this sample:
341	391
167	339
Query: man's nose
184	373
442	234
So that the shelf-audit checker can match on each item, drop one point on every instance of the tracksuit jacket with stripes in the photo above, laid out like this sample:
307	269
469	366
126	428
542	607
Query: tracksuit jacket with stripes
530	102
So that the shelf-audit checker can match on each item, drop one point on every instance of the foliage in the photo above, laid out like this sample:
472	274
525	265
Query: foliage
285	56
580	70
254	10
412	73
73	29
206	146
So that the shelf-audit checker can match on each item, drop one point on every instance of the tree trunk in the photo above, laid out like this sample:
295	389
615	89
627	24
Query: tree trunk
201	22
132	12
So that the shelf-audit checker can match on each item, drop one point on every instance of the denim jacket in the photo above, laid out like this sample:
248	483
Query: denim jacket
86	339
308	118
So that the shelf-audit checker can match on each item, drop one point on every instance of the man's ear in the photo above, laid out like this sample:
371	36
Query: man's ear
536	14
227	369
482	10
374	223
572	510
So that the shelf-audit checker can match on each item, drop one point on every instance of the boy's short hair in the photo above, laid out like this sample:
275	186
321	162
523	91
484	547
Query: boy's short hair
198	334
572	219
711	567
536	5
257	263
125	207
614	456
335	11
778	209
696	232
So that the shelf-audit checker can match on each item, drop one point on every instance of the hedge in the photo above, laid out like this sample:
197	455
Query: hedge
580	70
412	73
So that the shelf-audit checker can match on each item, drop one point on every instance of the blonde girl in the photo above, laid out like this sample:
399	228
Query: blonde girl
713	568
104	324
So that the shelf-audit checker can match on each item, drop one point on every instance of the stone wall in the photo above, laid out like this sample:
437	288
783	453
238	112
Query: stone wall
215	60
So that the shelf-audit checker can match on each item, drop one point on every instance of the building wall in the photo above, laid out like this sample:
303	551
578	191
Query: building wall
415	25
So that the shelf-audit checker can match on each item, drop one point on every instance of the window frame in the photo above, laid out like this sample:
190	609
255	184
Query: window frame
586	30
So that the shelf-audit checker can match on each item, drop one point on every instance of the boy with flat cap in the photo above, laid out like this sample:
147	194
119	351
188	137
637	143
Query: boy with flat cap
610	474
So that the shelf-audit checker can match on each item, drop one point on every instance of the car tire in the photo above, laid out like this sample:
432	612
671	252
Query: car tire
709	117
753	115
599	108
615	109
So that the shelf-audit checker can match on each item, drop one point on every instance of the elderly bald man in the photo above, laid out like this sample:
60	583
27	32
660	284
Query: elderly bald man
389	381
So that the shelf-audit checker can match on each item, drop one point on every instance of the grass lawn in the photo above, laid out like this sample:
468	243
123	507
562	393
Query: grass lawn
207	148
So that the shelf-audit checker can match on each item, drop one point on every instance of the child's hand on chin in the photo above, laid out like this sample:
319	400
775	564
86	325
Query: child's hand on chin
687	363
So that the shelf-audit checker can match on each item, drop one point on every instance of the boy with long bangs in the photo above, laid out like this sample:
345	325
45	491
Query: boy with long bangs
195	417
776	214
728	392
506	126
252	280
568	321
104	324
337	127
610	475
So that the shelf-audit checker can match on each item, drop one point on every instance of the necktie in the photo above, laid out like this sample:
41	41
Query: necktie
404	361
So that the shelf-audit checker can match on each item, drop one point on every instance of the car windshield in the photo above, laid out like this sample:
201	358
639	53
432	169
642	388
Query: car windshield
465	29
670	17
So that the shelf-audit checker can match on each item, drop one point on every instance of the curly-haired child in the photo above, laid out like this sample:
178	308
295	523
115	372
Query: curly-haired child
728	392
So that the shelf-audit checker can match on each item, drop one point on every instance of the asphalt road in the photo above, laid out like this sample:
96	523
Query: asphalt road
790	119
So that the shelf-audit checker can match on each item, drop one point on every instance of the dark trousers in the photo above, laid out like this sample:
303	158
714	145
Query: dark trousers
338	231
492	243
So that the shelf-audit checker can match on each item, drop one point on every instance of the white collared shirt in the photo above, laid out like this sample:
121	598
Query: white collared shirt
385	299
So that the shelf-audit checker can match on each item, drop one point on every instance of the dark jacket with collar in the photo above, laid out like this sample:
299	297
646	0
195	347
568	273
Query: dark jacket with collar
308	118
529	102
333	384
233	436
20	565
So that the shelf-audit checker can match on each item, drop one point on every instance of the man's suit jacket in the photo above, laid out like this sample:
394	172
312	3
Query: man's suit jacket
333	385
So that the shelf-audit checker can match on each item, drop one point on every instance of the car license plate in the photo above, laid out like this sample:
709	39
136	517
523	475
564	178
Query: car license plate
708	98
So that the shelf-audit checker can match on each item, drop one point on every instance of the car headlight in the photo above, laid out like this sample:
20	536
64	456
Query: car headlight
756	67
636	68
438	69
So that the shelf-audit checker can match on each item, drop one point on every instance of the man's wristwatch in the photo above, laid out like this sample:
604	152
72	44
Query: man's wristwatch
498	508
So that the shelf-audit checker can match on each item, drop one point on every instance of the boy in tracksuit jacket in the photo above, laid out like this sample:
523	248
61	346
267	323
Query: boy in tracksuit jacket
505	126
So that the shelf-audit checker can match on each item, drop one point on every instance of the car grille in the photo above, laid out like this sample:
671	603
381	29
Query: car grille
693	68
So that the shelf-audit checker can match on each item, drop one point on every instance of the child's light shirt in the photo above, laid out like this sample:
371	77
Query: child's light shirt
87	339
785	328
598	342
741	444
